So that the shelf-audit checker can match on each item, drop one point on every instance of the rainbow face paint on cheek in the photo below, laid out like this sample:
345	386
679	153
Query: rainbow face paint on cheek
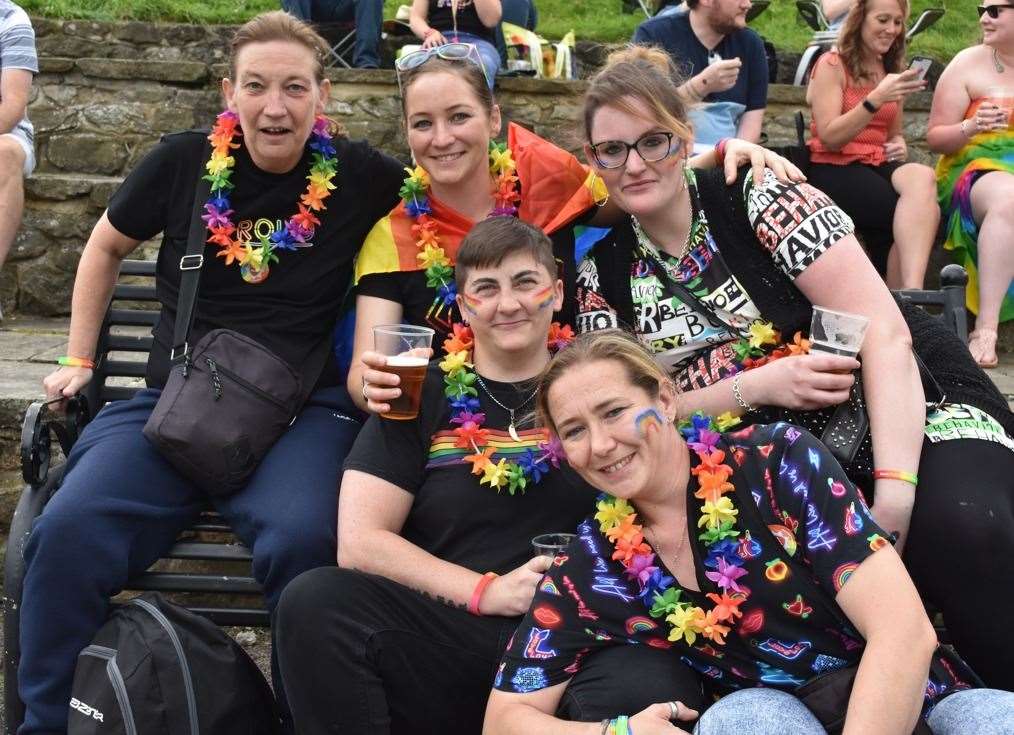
471	302
648	418
545	298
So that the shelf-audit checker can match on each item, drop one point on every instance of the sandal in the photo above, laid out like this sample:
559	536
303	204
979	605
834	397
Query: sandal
982	345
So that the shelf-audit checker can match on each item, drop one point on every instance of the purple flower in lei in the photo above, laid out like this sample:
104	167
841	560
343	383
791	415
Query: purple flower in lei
706	441
640	568
466	416
726	575
215	217
553	449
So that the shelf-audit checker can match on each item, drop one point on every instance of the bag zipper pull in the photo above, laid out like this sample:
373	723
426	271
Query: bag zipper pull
186	367
216	382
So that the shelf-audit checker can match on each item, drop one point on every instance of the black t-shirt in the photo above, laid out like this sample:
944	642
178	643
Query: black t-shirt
439	17
292	310
804	529
409	288
453	517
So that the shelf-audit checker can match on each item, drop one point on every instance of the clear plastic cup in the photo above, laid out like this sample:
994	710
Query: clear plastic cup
837	332
407	349
552	544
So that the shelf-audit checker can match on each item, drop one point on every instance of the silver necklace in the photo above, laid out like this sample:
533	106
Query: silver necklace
996	62
510	411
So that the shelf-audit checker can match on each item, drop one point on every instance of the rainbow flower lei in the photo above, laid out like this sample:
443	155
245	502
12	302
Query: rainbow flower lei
459	382
617	520
415	194
300	227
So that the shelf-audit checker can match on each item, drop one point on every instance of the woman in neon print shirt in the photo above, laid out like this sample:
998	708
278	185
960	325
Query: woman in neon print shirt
748	555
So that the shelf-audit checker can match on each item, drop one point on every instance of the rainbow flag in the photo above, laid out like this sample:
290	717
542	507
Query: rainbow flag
555	189
443	453
955	175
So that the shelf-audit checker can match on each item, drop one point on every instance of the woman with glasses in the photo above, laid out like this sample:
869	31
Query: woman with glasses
971	125
720	282
405	269
858	153
474	22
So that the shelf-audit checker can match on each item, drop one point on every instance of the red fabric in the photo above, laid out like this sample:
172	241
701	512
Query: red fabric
868	145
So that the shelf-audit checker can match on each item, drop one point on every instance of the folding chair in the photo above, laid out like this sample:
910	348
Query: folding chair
341	38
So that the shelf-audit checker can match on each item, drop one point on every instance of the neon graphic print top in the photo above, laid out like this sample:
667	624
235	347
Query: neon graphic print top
804	529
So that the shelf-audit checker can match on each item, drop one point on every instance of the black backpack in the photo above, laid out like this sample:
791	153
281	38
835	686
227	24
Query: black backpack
155	668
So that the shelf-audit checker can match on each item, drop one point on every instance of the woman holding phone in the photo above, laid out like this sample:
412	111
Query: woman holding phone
857	151
970	124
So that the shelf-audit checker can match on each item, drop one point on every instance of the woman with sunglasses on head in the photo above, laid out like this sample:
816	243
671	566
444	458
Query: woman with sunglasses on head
720	282
749	555
972	125
405	636
405	269
474	22
857	151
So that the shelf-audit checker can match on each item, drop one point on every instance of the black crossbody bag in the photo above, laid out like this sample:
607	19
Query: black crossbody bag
228	398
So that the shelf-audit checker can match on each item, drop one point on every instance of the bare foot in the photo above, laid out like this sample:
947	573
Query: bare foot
982	345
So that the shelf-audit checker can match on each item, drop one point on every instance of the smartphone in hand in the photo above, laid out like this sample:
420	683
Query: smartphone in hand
921	64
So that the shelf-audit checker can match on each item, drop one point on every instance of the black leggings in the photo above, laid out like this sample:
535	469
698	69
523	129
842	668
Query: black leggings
361	654
865	194
960	549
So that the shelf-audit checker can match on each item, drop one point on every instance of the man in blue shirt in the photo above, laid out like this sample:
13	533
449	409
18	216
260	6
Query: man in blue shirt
724	63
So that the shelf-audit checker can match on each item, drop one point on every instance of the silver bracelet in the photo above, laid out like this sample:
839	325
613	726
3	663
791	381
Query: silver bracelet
738	395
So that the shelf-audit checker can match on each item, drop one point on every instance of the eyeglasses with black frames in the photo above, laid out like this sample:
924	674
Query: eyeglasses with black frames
651	147
993	11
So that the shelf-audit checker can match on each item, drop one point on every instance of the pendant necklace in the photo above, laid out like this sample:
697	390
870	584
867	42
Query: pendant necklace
510	411
996	62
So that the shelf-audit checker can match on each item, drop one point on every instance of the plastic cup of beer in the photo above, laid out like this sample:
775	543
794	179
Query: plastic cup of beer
407	349
837	332
1002	97
552	544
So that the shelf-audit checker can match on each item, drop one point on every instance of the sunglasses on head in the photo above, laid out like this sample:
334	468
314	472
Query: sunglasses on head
448	51
993	11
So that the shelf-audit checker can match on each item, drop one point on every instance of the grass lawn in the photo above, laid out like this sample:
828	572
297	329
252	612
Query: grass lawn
599	20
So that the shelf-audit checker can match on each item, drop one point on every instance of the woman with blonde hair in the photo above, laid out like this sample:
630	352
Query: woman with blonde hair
720	283
276	266
858	153
748	555
972	125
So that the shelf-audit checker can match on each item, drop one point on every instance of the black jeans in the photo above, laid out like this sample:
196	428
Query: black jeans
960	549
362	654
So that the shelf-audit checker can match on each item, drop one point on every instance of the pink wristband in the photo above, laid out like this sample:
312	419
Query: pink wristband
720	151
480	587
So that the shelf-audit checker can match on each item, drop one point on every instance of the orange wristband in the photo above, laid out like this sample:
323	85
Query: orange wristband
480	587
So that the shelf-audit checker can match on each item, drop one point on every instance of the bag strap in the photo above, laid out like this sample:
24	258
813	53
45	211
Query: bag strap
190	272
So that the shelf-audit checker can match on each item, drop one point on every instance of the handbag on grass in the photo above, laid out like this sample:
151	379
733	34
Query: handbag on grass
228	398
